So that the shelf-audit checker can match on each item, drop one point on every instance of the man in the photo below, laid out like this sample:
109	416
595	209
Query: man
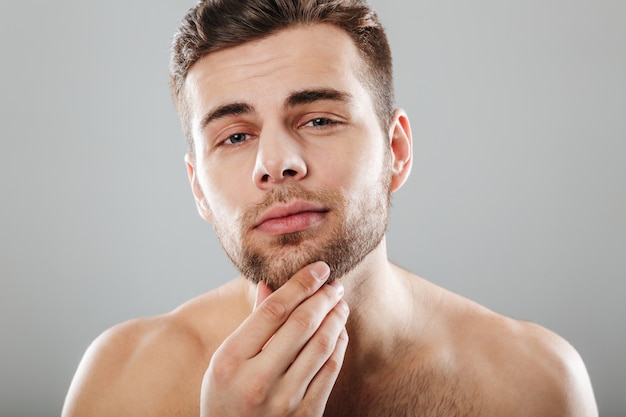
295	150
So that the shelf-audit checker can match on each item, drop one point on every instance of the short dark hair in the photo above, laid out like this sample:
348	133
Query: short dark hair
217	24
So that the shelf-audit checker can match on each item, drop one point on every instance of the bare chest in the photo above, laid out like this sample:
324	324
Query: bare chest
412	393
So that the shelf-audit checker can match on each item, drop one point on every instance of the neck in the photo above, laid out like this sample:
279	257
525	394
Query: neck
382	303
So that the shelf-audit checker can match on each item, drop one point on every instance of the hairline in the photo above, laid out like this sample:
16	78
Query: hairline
364	72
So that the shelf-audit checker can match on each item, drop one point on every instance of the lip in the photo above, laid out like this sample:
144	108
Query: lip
290	218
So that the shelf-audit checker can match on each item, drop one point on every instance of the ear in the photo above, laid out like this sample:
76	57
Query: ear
198	195
401	145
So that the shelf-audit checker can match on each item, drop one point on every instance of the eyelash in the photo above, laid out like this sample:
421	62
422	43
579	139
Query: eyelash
326	120
326	123
236	143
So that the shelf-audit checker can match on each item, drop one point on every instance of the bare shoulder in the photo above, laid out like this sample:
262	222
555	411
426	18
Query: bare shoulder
548	373
528	369
154	366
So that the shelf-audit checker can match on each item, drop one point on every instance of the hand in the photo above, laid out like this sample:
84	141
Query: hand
285	357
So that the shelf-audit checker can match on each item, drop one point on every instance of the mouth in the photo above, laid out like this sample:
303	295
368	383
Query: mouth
290	218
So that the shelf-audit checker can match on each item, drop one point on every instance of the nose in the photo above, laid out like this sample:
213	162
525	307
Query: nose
279	158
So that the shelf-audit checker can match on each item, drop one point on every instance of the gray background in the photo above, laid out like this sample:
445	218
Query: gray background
517	197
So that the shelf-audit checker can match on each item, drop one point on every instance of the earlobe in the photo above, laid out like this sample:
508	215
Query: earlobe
198	195
401	145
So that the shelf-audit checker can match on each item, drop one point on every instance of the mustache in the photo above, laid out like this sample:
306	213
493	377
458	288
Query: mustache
287	193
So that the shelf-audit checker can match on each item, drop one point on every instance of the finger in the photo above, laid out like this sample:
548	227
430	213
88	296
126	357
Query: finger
262	292
272	313
302	324
318	392
314	357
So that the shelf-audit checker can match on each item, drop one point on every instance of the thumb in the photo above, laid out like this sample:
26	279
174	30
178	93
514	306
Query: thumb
262	292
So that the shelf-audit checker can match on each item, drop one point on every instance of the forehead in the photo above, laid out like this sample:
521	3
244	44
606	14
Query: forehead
269	69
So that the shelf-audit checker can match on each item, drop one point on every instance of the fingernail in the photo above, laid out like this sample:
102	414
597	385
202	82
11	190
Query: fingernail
344	306
320	271
338	286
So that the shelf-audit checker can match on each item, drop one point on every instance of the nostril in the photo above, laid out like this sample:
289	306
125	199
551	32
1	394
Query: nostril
265	178
289	173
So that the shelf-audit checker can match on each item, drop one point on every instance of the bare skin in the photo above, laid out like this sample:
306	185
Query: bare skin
441	356
414	349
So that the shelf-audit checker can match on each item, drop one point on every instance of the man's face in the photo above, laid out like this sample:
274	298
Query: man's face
290	165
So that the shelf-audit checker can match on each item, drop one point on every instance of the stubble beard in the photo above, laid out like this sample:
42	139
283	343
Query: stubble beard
356	231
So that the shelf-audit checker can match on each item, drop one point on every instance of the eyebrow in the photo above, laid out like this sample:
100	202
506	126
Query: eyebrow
311	96
297	98
225	110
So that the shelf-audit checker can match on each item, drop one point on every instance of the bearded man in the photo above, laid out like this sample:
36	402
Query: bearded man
294	151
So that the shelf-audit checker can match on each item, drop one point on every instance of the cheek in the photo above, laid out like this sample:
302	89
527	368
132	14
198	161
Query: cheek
227	185
218	204
356	159
224	201
363	168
